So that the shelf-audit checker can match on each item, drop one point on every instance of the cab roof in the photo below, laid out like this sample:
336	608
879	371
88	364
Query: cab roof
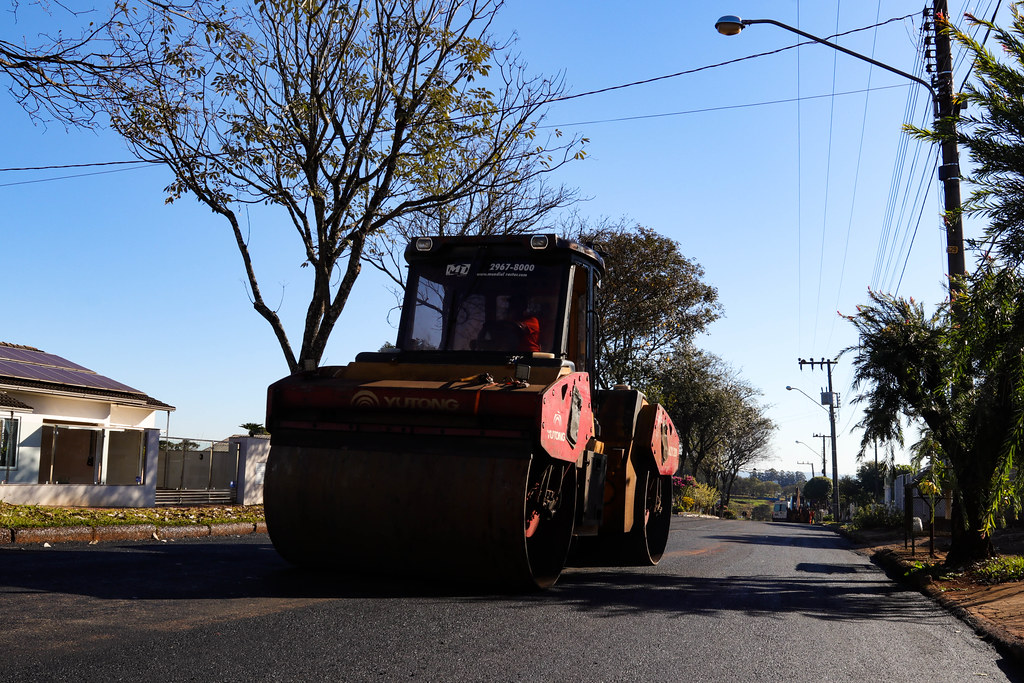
544	245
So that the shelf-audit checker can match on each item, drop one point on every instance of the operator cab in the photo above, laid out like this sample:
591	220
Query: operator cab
509	296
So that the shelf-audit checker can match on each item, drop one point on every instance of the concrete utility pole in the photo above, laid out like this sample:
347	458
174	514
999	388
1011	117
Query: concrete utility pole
822	437
949	171
830	399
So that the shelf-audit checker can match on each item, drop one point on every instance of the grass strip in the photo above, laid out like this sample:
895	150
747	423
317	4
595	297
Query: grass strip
42	516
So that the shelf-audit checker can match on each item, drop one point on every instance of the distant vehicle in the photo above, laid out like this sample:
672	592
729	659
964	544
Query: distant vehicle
780	512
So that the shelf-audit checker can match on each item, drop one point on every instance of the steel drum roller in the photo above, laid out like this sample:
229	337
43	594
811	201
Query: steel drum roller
448	514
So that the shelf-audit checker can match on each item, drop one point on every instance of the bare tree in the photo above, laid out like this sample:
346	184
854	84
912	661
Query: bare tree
747	441
59	74
347	117
516	201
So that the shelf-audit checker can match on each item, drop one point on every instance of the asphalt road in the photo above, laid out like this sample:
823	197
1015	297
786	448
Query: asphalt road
731	601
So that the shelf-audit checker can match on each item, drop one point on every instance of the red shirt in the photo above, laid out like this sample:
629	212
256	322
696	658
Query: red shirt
530	340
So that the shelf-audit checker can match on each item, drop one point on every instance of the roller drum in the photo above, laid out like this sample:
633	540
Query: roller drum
644	544
461	511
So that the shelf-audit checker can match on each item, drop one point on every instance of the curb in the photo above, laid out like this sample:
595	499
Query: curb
127	532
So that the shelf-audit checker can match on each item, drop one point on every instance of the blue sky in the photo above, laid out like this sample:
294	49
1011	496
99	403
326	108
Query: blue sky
782	202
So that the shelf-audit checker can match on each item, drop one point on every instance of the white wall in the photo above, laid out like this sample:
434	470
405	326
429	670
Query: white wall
252	465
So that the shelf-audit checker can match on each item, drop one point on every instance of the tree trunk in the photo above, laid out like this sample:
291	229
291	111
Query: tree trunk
969	542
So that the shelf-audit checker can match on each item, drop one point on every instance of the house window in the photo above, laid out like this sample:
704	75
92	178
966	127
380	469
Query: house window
8	443
70	455
126	458
79	454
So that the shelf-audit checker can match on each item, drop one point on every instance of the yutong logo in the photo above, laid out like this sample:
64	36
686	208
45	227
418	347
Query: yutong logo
367	399
415	403
457	269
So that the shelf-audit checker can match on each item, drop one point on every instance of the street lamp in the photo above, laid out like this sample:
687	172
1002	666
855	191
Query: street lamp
815	452
949	171
821	405
731	25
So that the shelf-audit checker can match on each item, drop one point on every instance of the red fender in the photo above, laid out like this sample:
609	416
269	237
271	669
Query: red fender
567	417
657	433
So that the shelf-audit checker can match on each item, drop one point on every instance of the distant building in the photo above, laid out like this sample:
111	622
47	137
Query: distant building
69	436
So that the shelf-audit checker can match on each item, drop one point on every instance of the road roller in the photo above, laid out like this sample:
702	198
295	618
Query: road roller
480	448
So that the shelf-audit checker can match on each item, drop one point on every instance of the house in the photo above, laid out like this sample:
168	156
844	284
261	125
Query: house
70	436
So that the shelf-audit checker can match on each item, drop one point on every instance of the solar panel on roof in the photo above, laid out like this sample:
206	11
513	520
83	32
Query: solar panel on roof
44	367
38	357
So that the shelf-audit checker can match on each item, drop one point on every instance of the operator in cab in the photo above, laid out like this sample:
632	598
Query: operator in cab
527	323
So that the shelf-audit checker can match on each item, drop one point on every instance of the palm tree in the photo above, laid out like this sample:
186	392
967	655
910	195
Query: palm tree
963	381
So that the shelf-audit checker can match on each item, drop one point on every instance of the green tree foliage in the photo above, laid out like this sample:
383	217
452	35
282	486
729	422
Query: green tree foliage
852	491
818	491
254	428
870	479
746	441
964	382
782	478
178	445
704	396
343	118
651	302
754	487
898	470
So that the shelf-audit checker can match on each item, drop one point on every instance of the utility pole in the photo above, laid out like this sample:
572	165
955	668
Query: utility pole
949	171
878	477
822	437
830	399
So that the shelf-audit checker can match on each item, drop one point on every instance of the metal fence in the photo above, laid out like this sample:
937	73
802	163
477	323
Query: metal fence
196	471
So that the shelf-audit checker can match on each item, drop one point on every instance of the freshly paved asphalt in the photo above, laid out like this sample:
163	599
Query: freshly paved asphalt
731	601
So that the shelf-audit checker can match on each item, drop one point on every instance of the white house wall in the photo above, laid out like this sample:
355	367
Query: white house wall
69	409
23	485
127	416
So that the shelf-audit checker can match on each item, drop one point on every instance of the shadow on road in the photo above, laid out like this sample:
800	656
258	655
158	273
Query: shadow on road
217	571
809	537
199	571
828	592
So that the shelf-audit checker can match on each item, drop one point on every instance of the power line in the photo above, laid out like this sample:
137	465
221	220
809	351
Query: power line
856	181
705	110
687	72
137	162
827	194
65	177
563	98
83	165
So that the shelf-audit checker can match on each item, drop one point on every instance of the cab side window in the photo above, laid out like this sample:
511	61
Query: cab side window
577	346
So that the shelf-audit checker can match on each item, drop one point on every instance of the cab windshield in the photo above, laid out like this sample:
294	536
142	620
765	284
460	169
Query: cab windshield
491	302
